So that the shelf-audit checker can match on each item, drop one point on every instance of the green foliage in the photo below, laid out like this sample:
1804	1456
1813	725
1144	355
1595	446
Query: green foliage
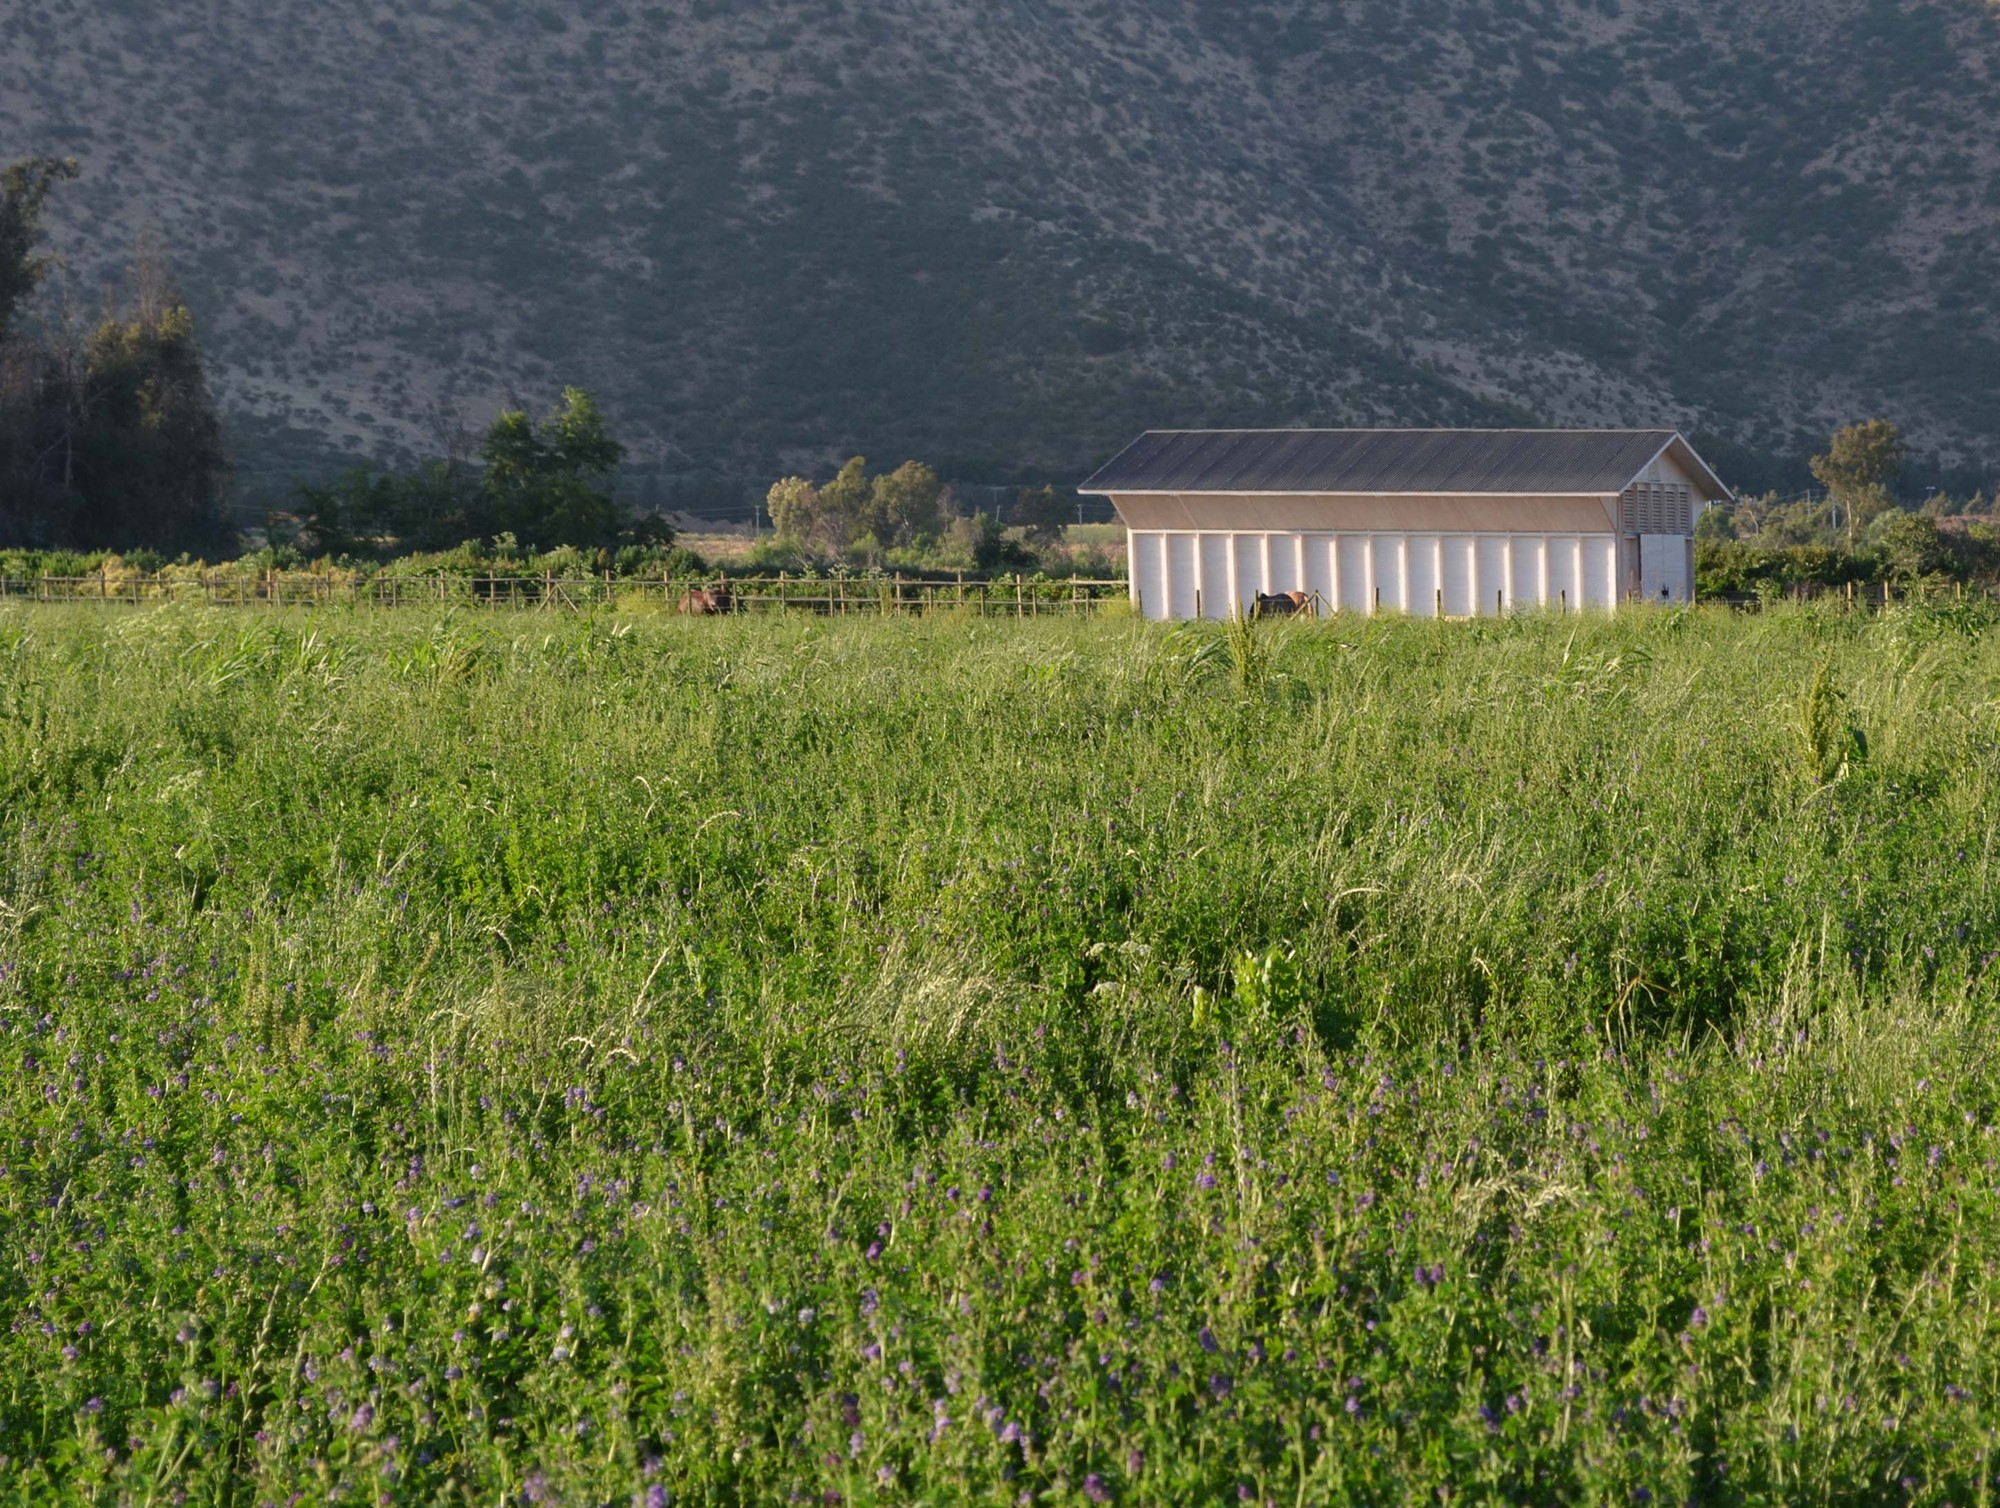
936	1061
545	485
432	507
793	504
1249	652
548	483
990	546
24	191
1044	513
1862	460
1911	548
117	446
109	440
1902	548
903	504
1829	744
844	502
856	515
1860	468
1731	567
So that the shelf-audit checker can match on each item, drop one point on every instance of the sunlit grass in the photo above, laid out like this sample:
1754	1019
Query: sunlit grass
449	1059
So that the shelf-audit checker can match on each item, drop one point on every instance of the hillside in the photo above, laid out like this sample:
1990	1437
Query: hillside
1007	234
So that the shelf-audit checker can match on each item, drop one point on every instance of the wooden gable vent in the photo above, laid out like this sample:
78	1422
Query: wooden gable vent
1659	508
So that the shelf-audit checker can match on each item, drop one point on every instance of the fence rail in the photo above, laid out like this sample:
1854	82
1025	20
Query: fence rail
1010	596
1013	596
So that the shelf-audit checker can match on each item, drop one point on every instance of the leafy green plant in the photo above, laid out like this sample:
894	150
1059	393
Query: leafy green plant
1829	743
760	1059
1249	653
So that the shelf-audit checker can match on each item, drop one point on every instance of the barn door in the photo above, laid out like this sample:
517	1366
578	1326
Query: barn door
1663	569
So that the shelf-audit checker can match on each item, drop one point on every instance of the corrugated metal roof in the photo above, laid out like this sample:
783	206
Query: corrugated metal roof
1384	461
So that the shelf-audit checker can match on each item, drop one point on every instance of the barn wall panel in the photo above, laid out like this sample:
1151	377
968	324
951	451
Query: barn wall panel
1600	569
1560	590
1181	555
1455	556
1213	553
1422	556
1385	557
1250	556
1352	574
1322	573
1525	588
1146	552
1490	556
1393	571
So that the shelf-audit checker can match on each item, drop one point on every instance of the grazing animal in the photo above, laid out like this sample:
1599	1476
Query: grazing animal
703	602
1280	605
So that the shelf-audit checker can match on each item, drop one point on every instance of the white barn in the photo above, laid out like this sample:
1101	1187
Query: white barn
1455	522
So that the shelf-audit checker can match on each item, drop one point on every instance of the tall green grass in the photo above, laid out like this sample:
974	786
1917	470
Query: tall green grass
748	1061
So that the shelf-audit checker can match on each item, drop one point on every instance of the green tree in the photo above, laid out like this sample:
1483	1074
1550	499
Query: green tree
149	464
903	504
1044	512
549	482
844	504
1911	547
1861	464
24	191
109	438
793	503
362	512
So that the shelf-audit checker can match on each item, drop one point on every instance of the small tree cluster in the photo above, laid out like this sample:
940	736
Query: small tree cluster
545	484
108	435
855	511
1044	512
1861	464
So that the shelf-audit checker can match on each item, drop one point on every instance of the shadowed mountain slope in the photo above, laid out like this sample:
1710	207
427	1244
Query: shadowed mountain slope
1008	234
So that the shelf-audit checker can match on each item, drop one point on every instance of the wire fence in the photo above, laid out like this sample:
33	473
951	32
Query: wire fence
837	595
1873	596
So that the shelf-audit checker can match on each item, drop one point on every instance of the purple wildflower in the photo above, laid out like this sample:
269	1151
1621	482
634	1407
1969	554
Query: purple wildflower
1095	1490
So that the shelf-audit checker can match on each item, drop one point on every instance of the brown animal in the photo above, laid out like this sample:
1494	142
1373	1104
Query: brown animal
703	602
1280	605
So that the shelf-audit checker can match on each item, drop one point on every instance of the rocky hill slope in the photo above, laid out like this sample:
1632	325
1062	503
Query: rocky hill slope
1007	233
